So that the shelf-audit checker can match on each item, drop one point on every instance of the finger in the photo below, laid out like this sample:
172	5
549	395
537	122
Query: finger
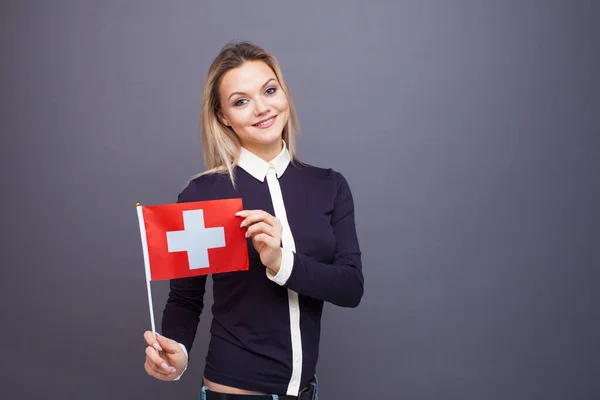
151	341
150	371
261	227
157	361
156	374
253	216
169	345
155	371
268	240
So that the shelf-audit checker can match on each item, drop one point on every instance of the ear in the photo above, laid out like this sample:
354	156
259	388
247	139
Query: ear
222	118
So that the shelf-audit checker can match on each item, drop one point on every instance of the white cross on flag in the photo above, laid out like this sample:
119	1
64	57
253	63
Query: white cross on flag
194	238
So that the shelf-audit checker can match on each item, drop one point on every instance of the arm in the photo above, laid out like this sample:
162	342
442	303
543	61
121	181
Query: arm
341	282
184	304
182	311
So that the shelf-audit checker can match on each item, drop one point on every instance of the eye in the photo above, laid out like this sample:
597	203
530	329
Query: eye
271	91
239	103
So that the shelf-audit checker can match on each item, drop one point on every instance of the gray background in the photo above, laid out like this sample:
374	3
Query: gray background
469	133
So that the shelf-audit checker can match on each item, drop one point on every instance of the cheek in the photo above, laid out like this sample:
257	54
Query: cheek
280	103
241	117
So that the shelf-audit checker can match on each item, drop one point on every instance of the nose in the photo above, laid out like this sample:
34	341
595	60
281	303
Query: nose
261	107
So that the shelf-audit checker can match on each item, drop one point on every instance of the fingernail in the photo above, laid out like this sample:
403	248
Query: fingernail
157	347
164	365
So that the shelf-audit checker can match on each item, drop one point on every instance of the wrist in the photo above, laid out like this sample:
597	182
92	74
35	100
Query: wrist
284	268
276	265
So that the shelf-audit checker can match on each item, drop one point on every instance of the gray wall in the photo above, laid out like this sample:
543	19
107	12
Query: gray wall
469	132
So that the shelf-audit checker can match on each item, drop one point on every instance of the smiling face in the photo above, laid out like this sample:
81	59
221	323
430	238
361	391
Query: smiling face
254	105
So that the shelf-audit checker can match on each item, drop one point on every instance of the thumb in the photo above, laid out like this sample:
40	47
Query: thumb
168	345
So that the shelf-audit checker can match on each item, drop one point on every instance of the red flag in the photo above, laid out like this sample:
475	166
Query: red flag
190	239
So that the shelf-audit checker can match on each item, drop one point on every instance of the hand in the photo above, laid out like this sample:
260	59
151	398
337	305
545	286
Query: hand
165	359
265	231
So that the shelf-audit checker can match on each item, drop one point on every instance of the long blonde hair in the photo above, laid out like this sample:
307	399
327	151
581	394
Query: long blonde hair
220	144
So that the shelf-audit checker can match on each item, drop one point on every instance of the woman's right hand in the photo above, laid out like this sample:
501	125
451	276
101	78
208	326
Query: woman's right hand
165	359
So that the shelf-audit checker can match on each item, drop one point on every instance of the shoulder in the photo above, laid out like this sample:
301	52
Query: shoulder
335	179
206	186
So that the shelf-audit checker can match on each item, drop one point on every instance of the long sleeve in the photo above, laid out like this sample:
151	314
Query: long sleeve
264	334
182	310
185	302
341	282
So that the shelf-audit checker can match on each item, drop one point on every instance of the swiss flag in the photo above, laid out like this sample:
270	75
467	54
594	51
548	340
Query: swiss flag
195	238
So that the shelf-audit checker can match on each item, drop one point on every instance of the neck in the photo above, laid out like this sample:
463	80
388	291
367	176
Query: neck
266	152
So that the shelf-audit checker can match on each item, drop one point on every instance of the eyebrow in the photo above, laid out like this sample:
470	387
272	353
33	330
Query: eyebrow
262	87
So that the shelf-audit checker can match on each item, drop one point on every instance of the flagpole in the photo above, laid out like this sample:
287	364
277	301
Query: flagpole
151	309
146	264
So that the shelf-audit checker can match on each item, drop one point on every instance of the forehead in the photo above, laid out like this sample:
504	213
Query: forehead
248	77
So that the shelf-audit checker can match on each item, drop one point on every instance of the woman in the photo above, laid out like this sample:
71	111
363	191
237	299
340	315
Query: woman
303	247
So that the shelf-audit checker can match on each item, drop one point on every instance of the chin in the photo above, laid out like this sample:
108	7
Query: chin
268	136
268	140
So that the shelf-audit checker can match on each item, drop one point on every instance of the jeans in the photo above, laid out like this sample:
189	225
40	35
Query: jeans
202	395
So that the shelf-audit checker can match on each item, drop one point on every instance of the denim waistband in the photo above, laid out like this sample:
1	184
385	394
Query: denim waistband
314	382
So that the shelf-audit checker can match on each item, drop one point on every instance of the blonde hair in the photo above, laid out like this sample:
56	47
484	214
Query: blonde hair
220	144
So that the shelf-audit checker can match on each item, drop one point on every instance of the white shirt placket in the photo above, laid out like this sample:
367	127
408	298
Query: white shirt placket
288	243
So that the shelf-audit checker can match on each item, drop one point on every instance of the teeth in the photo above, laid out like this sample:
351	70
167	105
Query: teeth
265	123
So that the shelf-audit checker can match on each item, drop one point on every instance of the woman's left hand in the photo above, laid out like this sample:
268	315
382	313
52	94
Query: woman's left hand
265	231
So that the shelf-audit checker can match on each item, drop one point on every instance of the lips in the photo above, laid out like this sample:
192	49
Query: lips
265	123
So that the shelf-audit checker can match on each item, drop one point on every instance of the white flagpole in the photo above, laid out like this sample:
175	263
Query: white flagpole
146	263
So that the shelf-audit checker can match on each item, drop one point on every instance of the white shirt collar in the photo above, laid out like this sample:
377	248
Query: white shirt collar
258	168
